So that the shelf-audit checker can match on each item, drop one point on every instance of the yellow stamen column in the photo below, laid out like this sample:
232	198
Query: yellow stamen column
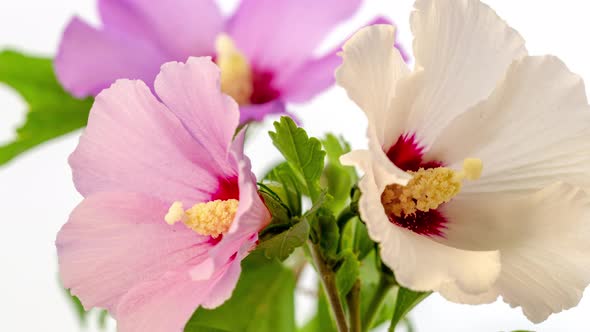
210	219
428	189
236	73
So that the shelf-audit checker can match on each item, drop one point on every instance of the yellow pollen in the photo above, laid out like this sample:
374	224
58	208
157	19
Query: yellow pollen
236	73
210	219
428	188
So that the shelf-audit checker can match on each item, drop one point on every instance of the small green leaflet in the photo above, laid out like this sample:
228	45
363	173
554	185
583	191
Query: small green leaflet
348	272
282	245
303	154
283	182
263	301
83	315
337	178
52	111
280	212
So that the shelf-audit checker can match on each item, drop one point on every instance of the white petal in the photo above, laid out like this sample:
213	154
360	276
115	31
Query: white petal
544	247
534	130
374	160
462	50
370	71
419	262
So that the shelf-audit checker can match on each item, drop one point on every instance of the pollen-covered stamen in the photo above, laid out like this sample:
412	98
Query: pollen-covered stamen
428	189
210	219
236	72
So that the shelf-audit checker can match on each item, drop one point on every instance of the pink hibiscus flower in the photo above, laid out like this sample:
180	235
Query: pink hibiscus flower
266	49
129	246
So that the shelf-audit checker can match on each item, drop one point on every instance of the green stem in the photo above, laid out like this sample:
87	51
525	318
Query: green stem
328	279
345	216
354	307
375	305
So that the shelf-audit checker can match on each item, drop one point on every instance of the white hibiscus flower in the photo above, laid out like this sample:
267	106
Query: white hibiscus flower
478	163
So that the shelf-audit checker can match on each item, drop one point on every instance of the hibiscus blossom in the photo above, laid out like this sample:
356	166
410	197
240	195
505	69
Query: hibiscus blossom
478	163
265	49
130	246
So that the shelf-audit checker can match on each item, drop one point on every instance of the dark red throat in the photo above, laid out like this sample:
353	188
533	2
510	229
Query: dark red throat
408	154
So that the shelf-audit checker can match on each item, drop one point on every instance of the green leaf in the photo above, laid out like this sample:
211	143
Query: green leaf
199	328
338	178
263	301
80	311
325	232
280	212
102	319
286	186
356	238
303	154
347	273
52	111
370	274
282	245
83	314
406	300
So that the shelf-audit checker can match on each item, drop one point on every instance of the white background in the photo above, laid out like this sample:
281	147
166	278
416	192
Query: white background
36	193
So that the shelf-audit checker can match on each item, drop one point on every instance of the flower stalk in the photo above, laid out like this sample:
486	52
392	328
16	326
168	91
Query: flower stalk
353	299
328	279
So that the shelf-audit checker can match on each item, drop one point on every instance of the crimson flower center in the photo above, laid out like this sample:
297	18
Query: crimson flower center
407	154
240	80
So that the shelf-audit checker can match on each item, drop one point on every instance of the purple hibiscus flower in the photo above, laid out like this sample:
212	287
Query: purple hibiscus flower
266	49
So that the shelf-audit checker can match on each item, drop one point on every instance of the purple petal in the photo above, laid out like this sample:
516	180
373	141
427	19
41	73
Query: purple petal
180	28
279	34
89	60
316	75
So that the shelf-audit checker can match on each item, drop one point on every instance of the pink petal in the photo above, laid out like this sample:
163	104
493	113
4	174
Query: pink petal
134	143
277	34
89	60
180	28
252	215
115	241
192	92
166	304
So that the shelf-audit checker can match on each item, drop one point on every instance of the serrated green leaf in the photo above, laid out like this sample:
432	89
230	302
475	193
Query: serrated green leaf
286	186
52	111
405	301
263	301
282	245
304	154
347	273
338	178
